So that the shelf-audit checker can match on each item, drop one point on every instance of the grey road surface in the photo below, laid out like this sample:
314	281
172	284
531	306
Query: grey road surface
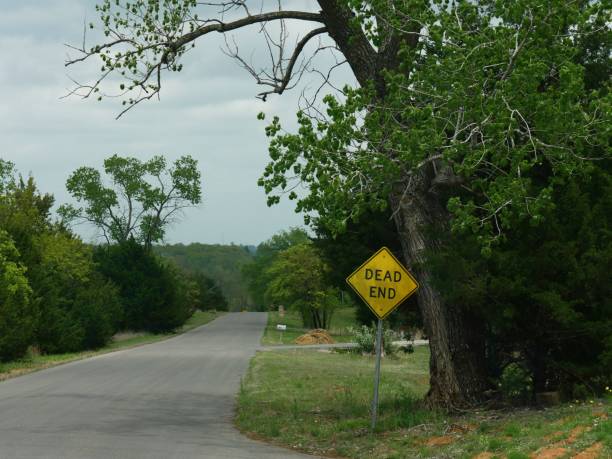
172	399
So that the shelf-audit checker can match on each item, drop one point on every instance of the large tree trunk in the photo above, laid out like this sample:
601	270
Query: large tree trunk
456	338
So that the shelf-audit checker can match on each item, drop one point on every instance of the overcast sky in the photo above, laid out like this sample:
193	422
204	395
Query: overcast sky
208	110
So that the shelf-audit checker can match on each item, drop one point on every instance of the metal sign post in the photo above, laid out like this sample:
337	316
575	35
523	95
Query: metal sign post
383	283
379	331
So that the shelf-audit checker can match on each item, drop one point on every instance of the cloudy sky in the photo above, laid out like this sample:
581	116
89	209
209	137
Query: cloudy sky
208	110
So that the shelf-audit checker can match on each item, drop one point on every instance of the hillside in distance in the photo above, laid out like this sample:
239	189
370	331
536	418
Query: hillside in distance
222	263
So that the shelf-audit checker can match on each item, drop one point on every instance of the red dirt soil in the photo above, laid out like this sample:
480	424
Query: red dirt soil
592	452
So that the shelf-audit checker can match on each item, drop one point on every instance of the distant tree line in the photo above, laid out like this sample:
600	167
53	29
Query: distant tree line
60	294
220	264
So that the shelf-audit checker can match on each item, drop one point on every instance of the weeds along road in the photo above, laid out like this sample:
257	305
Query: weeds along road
172	399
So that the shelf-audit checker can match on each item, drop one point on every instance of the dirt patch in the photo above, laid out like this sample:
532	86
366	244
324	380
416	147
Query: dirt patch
558	449
549	453
484	455
575	433
440	441
317	336
592	452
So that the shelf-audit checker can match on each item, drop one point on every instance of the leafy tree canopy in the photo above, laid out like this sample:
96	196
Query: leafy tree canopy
256	272
544	294
17	312
142	199
497	95
298	278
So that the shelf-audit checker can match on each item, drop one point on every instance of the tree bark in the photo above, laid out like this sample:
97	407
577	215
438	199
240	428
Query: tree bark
456	337
357	50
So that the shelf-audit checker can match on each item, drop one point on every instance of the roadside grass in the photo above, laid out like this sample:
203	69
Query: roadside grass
319	402
34	362
341	320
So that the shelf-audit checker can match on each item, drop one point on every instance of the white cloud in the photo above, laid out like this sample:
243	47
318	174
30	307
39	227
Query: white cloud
208	110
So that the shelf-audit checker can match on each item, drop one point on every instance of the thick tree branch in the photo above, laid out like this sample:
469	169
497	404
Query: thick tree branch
343	28
249	20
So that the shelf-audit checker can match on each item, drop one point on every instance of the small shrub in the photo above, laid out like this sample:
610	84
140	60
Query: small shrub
365	337
581	392
516	383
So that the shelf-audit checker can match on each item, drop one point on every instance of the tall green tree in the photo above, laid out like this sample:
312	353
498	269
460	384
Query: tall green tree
257	272
485	116
25	214
79	308
467	115
152	297
70	306
18	314
298	279
209	294
140	201
544	292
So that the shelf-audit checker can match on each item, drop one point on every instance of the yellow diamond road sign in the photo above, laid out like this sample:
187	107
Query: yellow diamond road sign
382	282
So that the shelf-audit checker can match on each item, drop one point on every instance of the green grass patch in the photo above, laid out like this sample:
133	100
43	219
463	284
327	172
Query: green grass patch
319	402
33	362
342	319
198	319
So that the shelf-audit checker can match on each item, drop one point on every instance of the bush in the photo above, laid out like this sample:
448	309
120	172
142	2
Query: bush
149	290
365	337
98	310
58	332
17	312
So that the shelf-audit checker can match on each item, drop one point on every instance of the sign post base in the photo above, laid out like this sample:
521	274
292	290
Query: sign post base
379	336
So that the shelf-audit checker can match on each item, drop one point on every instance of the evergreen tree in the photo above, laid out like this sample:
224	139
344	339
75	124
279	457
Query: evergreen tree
544	294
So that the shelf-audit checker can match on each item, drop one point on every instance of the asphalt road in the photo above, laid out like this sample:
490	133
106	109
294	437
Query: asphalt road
172	399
